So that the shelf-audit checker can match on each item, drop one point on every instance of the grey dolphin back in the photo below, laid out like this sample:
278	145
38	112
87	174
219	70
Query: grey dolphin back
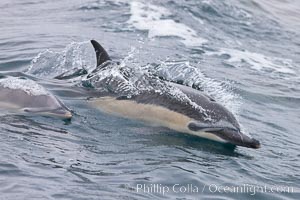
101	55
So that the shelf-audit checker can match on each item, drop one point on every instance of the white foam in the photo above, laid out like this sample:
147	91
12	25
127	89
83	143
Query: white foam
26	85
257	61
152	18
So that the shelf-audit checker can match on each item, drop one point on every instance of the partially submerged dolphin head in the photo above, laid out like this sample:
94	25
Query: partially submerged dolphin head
227	134
26	96
195	113
213	120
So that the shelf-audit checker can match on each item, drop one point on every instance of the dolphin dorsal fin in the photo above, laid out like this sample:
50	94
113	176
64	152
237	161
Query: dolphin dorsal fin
101	54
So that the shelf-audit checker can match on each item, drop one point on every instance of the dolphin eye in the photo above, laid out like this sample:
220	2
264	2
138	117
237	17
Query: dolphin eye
211	99
234	129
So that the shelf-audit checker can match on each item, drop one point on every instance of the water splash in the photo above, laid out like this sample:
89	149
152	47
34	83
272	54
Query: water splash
28	86
49	64
183	72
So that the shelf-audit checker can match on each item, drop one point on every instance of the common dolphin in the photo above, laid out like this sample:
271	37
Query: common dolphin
21	95
198	114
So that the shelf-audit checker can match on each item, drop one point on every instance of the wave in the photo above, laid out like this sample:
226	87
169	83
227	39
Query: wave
256	61
158	22
286	12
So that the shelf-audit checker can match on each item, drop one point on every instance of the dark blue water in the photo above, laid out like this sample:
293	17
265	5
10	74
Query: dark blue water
243	53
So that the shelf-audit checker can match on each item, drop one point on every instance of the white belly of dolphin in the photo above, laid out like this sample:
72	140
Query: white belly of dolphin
8	105
10	108
153	114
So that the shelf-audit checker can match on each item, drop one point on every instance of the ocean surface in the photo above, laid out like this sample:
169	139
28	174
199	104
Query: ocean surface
244	53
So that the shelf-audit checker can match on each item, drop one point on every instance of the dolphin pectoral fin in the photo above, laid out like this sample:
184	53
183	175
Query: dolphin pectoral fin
198	127
67	75
101	55
59	112
33	110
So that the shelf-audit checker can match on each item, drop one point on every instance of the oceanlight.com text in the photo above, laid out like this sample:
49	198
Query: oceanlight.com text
250	189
